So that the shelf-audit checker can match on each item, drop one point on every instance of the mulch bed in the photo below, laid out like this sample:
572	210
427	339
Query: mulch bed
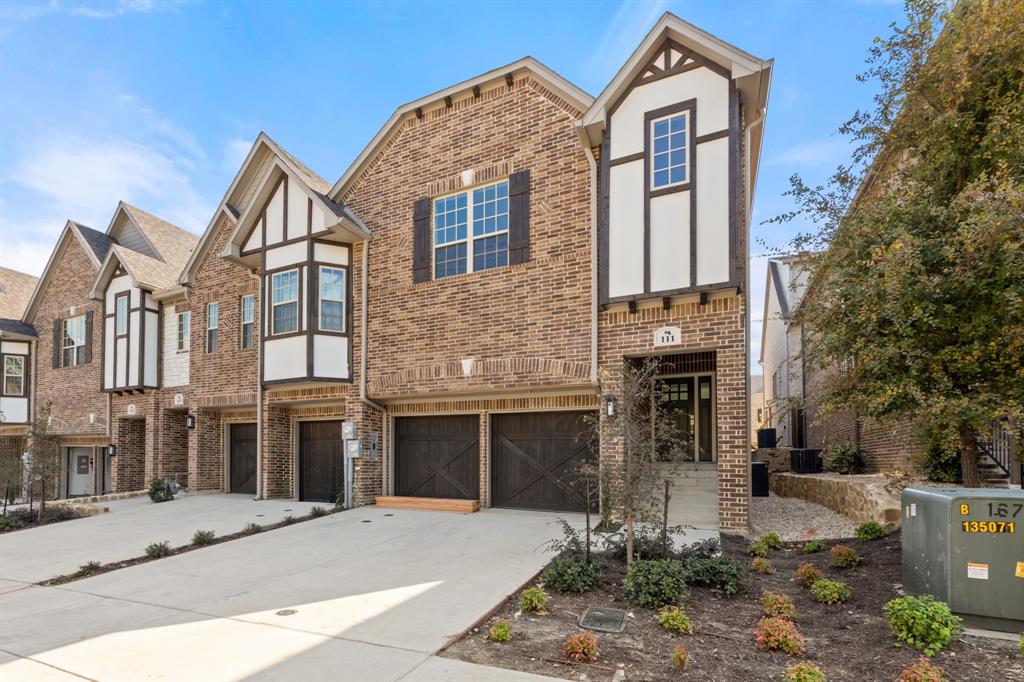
850	641
30	517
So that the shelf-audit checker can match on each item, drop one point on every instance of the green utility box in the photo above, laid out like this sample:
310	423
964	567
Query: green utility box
965	546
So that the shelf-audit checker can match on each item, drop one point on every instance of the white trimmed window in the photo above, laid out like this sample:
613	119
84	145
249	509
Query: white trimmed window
459	249
121	315
284	302
184	330
668	150
212	327
248	320
73	343
332	299
14	375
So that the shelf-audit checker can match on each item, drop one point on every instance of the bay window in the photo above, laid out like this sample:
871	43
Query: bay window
284	302
332	299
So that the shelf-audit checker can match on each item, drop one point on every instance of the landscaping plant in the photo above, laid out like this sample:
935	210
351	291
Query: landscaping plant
771	540
814	546
570	574
288	520
831	591
501	631
533	600
702	549
804	672
761	565
652	583
580	647
680	656
844	557
159	491
723	574
923	622
318	511
203	537
778	634
922	671
675	619
807	574
89	567
844	459
252	529
777	606
758	549
158	549
872	530
9	522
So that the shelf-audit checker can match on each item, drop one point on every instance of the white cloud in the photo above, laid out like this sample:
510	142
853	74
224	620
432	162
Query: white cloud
827	151
108	10
235	151
625	30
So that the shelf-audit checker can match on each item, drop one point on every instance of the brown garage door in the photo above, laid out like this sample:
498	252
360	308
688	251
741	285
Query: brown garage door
321	461
438	457
243	458
534	459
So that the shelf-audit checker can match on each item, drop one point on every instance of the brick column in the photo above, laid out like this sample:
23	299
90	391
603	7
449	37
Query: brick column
172	448
206	453
367	472
733	448
277	466
129	465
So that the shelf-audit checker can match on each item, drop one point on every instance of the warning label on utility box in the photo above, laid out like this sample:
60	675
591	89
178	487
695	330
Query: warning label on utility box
977	571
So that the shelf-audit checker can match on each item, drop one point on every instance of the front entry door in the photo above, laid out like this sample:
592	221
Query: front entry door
243	458
321	461
689	403
79	471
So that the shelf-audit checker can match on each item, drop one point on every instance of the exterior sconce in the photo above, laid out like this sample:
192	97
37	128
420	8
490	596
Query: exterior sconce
190	421
609	406
111	450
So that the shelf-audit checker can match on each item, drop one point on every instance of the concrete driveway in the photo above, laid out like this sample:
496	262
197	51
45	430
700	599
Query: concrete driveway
124	532
367	594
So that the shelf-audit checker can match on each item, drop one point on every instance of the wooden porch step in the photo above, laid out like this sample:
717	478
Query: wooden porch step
428	504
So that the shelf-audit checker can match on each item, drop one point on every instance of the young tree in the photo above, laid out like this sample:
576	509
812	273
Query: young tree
45	450
917	247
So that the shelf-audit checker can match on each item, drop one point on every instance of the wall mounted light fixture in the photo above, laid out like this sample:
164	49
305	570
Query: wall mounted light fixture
190	421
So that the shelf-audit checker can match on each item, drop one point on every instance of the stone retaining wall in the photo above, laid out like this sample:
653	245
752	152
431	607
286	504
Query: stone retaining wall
862	498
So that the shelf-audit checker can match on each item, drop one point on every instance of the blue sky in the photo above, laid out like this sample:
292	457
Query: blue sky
156	103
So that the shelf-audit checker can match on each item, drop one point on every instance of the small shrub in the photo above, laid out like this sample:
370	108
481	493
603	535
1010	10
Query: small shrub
758	549
159	491
844	459
89	567
804	672
533	600
702	549
807	574
723	574
872	530
252	529
778	634
570	574
203	537
831	591
777	606
761	565
318	511
646	543
8	522
158	549
673	618
655	582
771	540
288	520
501	631
922	671
339	501
844	557
680	656
923	622
580	647
814	546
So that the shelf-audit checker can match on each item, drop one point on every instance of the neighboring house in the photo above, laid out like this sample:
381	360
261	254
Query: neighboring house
758	412
17	343
447	319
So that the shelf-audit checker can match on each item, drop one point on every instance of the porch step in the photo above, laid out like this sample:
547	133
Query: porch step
428	504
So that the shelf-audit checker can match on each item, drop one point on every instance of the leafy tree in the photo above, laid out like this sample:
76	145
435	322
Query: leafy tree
918	244
44	447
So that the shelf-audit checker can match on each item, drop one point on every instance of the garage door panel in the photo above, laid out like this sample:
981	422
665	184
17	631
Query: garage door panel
321	461
438	457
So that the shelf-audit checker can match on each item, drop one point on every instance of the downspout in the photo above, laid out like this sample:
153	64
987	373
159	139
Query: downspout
259	391
592	163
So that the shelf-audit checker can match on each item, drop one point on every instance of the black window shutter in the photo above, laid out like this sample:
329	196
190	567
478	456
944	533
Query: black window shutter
88	338
58	341
421	240
519	217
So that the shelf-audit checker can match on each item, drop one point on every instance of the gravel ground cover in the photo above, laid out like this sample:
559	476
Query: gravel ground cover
796	519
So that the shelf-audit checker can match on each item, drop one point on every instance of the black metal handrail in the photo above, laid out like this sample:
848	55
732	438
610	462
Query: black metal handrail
1000	447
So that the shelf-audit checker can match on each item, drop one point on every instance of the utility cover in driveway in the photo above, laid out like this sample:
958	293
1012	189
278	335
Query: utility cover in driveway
438	456
535	458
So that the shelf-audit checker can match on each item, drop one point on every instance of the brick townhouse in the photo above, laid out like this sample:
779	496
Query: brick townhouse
17	342
442	320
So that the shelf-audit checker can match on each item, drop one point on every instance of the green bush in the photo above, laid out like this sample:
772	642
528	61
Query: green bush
831	591
844	459
288	520
702	549
804	672
252	529
203	537
533	600
723	574
922	671
318	511
570	574
646	544
778	634
675	619
89	567
8	522
923	622
872	530
771	540
680	657
844	557
501	631
158	549
159	491
580	647
777	606
652	583
761	565
814	546
807	574
758	549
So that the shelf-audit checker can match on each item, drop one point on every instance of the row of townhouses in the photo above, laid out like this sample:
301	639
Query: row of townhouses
439	322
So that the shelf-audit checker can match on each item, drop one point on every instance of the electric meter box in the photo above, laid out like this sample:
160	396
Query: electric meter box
965	546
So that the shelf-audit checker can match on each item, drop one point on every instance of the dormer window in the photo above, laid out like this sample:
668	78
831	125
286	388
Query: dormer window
284	300
668	150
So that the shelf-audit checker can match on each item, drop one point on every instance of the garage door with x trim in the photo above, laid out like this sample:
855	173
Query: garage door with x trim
438	457
535	458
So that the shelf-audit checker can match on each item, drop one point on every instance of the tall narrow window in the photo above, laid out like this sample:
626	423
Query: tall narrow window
184	330
284	302
668	151
332	299
248	320
14	375
121	315
212	325
73	343
457	252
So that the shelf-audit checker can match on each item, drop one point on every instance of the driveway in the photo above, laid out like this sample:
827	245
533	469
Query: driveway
367	594
130	525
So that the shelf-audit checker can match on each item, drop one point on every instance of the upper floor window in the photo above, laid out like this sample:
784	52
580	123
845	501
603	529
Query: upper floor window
121	315
455	250
184	330
668	150
73	343
212	327
14	375
332	299
248	320
284	302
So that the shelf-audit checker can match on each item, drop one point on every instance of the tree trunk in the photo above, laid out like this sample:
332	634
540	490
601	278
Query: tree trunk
969	456
629	537
664	523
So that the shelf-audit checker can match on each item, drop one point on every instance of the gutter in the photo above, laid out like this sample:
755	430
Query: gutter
592	163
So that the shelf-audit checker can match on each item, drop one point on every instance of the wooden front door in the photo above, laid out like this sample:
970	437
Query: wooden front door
438	457
535	458
321	461
242	449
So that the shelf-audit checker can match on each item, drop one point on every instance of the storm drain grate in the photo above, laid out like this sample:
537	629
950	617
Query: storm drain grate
603	620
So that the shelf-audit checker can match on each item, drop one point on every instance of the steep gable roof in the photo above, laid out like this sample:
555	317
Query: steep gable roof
170	243
15	292
98	242
94	243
